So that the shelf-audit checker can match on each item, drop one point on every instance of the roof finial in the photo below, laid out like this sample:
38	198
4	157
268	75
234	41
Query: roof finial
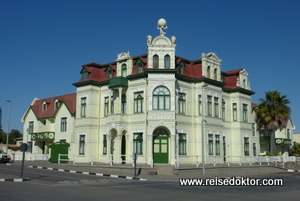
161	25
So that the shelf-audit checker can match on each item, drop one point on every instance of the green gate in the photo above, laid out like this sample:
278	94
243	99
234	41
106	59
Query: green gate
59	148
160	146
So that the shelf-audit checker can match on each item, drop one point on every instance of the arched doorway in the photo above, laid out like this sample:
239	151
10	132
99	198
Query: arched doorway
160	146
123	147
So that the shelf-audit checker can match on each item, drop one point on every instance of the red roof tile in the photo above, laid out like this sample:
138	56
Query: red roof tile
69	100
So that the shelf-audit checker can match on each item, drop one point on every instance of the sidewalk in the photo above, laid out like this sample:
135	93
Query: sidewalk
158	173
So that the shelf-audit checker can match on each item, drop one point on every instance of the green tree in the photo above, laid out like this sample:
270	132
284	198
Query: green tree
13	135
2	137
295	150
271	113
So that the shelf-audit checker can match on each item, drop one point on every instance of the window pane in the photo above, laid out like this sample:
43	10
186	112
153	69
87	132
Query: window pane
81	144
167	99
167	62
210	145
161	102
155	99
217	144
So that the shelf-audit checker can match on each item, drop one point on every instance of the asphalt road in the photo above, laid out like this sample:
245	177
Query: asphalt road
49	185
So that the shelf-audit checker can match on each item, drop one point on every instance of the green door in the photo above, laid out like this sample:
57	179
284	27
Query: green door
160	146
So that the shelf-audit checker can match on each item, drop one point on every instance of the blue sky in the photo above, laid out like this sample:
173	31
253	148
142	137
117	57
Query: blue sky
44	43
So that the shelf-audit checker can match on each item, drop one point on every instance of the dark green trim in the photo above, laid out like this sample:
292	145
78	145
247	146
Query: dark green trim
240	90
85	83
104	83
161	71
117	82
137	76
42	136
28	112
99	65
283	141
198	80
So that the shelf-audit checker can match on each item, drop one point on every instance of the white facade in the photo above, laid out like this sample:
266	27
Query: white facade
152	105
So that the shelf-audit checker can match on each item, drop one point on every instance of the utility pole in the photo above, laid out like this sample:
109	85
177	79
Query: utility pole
1	119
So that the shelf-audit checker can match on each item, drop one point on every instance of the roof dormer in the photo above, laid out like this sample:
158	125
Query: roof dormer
84	74
56	104
242	80
44	106
211	66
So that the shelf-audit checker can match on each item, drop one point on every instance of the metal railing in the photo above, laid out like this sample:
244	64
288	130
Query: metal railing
30	157
108	159
194	160
240	160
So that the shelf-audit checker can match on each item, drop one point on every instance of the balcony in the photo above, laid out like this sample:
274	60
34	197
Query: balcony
118	82
278	141
43	136
283	141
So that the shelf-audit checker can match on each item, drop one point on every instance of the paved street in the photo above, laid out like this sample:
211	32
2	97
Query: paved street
49	185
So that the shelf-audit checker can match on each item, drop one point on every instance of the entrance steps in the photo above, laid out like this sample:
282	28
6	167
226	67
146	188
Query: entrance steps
164	169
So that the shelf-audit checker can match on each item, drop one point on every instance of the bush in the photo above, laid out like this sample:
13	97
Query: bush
295	150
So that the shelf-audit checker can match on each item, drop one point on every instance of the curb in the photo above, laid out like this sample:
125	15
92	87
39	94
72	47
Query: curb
88	173
290	170
15	180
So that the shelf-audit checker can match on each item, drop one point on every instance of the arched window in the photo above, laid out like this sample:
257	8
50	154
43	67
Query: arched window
244	83
215	74
124	103
167	61
208	72
124	70
161	98
155	61
85	75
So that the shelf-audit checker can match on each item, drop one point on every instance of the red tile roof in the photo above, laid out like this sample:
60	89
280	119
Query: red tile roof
69	100
231	78
192	69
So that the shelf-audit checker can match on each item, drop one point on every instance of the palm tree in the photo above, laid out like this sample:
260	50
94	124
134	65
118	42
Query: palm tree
271	113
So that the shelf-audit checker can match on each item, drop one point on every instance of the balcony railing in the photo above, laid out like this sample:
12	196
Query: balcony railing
278	141
283	141
42	136
118	82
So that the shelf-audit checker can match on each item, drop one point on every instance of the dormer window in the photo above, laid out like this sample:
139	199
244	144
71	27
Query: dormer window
167	62
44	106
155	61
181	68
56	104
85	75
139	66
109	72
124	70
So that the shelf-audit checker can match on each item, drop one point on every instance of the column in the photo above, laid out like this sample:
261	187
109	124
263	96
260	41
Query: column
118	145
172	153
109	101
120	100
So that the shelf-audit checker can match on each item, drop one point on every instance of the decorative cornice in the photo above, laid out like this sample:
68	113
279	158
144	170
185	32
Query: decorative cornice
240	90
161	71
137	76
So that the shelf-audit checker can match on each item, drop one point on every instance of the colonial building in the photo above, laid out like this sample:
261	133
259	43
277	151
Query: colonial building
49	120
157	105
